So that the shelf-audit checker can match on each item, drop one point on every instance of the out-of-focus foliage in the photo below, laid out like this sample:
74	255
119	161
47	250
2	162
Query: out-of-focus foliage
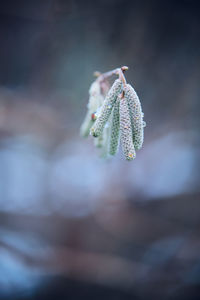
71	224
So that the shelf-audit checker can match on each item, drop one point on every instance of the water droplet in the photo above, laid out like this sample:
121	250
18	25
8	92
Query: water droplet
94	116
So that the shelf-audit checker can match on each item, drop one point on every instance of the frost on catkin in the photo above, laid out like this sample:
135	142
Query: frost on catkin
126	130
106	108
136	115
114	136
95	101
106	138
103	140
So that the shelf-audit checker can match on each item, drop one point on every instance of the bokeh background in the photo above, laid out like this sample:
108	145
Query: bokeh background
74	226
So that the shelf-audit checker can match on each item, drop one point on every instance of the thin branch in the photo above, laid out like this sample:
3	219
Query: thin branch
119	71
121	75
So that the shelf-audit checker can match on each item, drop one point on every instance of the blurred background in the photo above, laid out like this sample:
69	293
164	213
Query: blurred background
74	226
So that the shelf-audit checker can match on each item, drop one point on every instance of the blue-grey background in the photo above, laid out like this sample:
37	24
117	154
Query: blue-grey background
72	225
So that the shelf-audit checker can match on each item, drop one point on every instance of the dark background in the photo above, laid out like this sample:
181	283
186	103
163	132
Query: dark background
73	226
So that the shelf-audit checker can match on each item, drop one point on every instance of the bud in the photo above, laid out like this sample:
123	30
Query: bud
136	114
106	108
114	136
126	130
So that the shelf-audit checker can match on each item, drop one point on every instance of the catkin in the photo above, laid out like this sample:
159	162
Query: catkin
136	114
96	98
106	108
126	130
114	136
95	101
106	138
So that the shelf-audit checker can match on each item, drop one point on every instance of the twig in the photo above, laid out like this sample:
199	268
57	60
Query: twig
119	71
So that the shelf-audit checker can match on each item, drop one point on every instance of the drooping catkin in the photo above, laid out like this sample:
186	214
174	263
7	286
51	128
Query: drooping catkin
96	98
106	108
106	138
126	130
136	114
102	141
114	135
95	101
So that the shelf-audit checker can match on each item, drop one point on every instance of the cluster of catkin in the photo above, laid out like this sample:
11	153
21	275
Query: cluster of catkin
114	115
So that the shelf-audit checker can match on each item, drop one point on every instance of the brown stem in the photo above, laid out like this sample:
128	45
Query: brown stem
118	71
121	75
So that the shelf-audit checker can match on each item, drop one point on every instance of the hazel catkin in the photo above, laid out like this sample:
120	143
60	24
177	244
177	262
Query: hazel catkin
95	101
114	135
136	115
126	130
106	108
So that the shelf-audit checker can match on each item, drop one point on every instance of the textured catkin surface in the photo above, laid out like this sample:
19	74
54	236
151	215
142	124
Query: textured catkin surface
136	115
114	136
95	101
106	108
106	138
126	130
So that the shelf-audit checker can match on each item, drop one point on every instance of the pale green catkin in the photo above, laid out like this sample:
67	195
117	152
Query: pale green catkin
102	141
136	114
126	130
95	101
99	141
96	98
114	136
106	138
106	108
